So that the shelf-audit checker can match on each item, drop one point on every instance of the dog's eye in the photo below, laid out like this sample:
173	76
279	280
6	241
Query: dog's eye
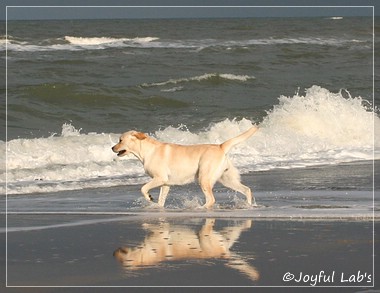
120	140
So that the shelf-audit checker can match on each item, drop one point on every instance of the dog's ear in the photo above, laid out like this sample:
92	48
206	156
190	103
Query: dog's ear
140	135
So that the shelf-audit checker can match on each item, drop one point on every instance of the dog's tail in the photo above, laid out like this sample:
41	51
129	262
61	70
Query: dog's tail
227	145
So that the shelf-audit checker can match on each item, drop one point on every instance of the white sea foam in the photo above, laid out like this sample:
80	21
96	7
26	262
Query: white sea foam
319	127
91	41
206	76
173	89
82	41
72	43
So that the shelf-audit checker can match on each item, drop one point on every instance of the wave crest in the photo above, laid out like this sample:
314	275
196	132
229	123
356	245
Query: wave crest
72	43
94	41
203	77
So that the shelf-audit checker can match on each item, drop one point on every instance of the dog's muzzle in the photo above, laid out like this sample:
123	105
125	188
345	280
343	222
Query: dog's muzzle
119	153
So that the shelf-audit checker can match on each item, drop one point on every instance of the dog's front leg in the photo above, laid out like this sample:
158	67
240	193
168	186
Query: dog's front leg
155	182
163	194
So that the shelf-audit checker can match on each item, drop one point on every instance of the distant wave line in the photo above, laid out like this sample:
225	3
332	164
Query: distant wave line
72	43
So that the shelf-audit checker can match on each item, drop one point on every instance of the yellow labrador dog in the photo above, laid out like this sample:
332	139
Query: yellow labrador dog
172	164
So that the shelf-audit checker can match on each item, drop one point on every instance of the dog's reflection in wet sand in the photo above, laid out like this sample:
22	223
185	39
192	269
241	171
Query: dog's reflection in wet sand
166	242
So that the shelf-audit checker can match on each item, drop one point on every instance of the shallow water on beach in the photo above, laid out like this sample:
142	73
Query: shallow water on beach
343	191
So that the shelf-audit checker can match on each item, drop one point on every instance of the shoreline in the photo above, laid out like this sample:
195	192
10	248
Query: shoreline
187	201
133	217
184	214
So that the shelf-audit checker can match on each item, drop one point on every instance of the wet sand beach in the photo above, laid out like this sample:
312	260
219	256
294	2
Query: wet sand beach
70	250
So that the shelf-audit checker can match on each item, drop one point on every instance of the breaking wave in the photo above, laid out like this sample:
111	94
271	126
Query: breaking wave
319	127
75	43
203	77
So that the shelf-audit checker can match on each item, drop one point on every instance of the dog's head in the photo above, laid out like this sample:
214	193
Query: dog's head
128	142
136	258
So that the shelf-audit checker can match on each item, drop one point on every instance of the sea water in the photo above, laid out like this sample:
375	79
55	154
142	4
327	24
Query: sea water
74	86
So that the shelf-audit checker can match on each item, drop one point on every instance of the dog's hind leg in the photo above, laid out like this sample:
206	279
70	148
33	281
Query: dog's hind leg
207	183
209	172
207	190
231	179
